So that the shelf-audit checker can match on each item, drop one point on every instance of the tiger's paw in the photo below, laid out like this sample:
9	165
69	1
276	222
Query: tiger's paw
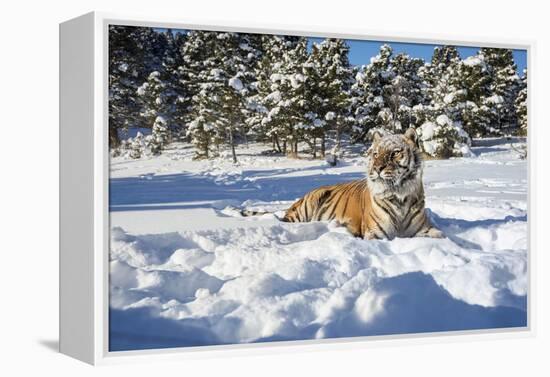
369	236
434	233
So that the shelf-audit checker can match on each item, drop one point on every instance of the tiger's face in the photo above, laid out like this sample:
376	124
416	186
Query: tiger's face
392	161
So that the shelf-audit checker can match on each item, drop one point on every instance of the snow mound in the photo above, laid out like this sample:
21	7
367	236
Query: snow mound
315	280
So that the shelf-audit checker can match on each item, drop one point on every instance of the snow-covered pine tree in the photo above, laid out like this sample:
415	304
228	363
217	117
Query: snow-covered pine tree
229	88
158	108
521	105
230	85
129	58
197	74
283	114
137	146
300	120
315	128
134	52
220	73
194	52
472	83
440	131
439	90
160	135
265	121
175	91
503	86
368	103
385	93
444	138
332	80
405	91
250	51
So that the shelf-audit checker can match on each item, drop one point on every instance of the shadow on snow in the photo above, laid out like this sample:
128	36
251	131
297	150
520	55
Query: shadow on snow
414	303
167	191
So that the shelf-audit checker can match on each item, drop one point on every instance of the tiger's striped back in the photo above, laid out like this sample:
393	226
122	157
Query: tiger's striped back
344	202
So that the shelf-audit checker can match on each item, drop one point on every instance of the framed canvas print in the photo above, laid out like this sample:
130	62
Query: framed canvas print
232	188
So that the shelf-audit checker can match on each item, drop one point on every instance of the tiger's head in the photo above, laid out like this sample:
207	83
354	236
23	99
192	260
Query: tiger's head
393	164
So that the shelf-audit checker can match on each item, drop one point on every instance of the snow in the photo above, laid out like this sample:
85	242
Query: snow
475	60
495	99
187	269
142	89
273	97
431	140
236	83
275	77
427	130
296	80
443	120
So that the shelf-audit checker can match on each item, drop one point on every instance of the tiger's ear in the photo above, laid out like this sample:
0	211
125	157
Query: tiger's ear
376	135
411	135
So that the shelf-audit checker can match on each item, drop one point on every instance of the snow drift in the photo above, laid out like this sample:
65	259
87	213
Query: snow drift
238	280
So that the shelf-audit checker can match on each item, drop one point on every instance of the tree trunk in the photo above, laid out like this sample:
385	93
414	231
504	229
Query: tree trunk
284	146
114	140
245	140
323	145
338	139
314	147
231	142
277	144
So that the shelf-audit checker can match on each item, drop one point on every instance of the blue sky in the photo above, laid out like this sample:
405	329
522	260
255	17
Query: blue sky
362	50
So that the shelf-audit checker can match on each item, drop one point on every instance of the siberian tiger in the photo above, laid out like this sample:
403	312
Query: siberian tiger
388	203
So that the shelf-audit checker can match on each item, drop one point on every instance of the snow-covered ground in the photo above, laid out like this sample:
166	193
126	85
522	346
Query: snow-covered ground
186	270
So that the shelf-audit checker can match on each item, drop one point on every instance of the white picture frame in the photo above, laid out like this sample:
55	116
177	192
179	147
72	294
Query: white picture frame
84	173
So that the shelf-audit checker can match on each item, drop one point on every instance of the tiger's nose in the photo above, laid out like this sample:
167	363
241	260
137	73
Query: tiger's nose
386	173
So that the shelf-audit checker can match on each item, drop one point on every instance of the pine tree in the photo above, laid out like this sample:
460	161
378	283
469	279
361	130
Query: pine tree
440	118
198	72
235	63
134	52
175	92
295	109
370	109
521	105
440	93
472	96
444	138
267	122
503	86
158	108
137	146
332	79
194	53
283	113
386	92
126	56
250	51
315	93
405	91
220	71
